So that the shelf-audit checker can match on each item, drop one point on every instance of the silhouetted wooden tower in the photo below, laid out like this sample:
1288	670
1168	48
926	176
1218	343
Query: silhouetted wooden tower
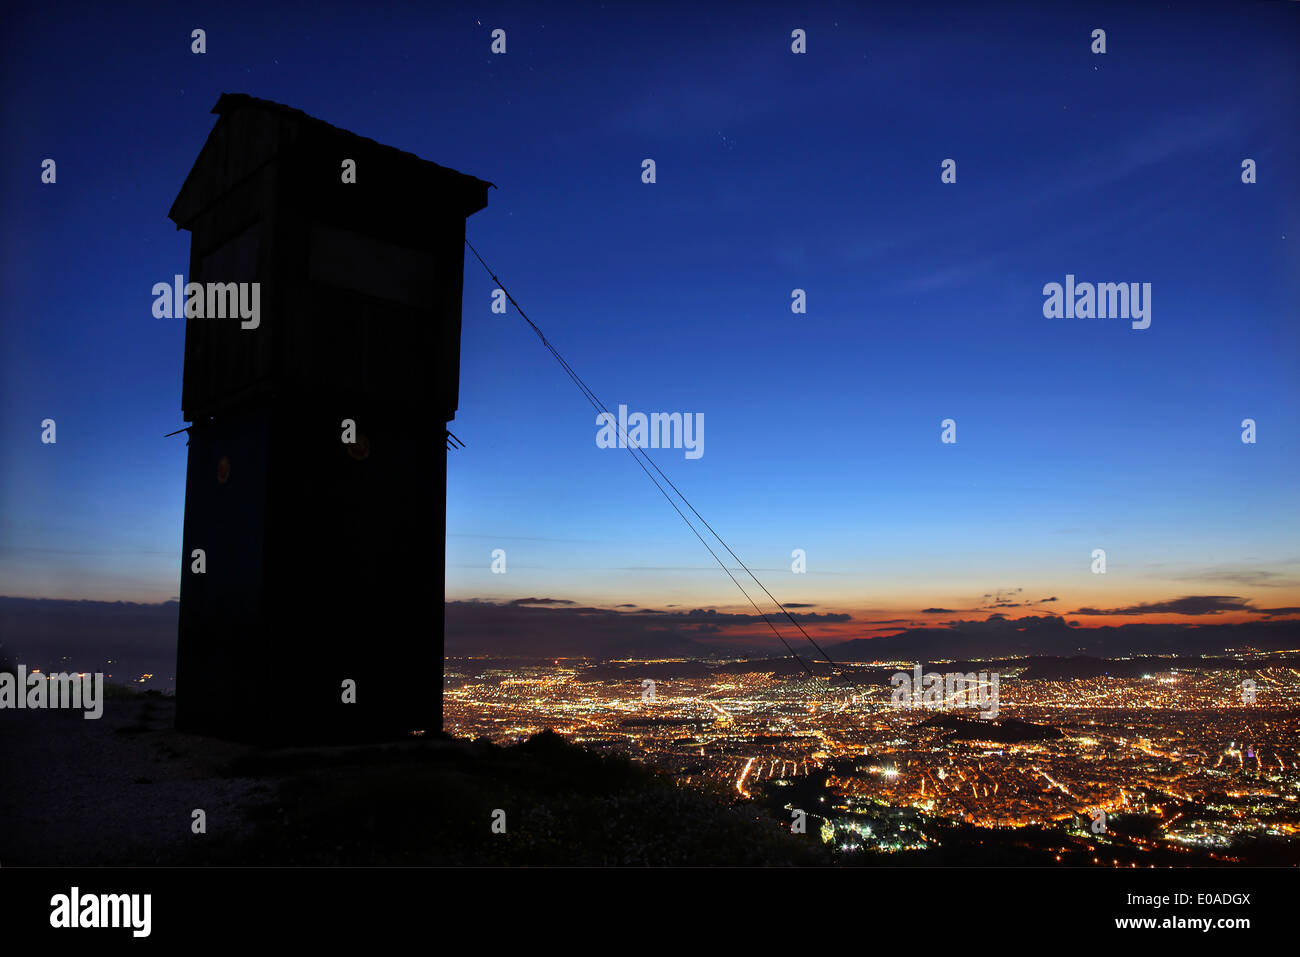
324	559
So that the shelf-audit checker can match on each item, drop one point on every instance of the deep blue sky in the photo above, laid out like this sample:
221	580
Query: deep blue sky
775	171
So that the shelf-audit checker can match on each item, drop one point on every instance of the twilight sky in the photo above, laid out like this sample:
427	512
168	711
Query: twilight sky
775	171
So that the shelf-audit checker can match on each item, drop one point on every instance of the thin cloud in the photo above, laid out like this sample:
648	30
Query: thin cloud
1187	605
1238	575
1277	612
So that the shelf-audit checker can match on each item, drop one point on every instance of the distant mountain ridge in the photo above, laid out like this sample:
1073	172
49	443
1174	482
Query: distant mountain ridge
142	637
1052	636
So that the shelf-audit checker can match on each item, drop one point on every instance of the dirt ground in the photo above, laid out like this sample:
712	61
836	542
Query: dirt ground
121	789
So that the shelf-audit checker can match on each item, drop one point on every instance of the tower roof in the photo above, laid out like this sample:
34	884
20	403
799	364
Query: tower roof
252	132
